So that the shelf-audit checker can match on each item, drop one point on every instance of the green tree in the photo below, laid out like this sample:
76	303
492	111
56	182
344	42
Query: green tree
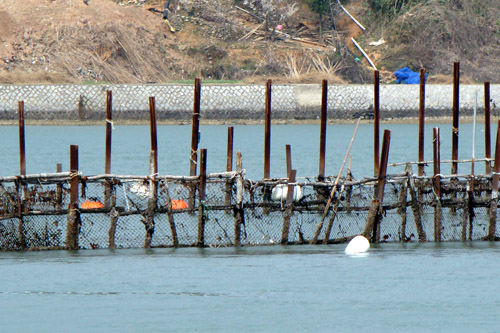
320	7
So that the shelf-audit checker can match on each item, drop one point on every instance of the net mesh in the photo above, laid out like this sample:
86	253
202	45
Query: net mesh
128	212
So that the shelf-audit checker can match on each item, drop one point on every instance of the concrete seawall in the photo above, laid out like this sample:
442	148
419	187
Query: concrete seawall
245	102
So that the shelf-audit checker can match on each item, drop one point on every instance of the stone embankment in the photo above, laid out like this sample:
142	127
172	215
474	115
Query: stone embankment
234	102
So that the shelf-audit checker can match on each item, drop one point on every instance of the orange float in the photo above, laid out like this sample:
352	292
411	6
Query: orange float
178	204
88	204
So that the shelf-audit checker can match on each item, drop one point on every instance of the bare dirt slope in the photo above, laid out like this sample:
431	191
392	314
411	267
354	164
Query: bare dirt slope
126	41
71	41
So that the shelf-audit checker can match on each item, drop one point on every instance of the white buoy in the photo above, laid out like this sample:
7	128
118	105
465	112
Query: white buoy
358	244
280	192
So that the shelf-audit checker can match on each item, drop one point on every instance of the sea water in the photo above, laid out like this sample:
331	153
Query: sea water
48	145
410	287
394	287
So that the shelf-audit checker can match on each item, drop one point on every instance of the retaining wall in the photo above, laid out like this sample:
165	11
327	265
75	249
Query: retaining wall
87	102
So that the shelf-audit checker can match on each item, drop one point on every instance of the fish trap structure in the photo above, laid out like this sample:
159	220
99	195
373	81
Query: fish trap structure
227	209
68	210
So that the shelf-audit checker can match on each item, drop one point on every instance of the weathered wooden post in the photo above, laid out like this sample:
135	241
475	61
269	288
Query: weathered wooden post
384	160
195	139
59	188
239	216
195	132
376	123
201	195
149	221
267	132
322	136
487	127
437	184
288	207
372	227
494	189
73	226
170	216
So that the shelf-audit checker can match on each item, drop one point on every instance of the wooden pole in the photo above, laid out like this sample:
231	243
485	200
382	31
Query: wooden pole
376	123
201	191
322	137
421	124
494	189
487	126
384	160
22	150
288	208
239	216
154	138
73	226
332	193
109	128
372	227
267	138
195	139
437	184
456	100
59	188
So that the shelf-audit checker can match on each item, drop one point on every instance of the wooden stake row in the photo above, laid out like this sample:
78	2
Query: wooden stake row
380	162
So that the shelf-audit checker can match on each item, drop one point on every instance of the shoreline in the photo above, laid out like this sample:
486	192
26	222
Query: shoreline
135	122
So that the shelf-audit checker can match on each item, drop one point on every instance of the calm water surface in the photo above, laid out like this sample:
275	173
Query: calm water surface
411	287
48	145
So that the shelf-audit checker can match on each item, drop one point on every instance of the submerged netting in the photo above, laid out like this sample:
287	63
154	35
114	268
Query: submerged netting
229	210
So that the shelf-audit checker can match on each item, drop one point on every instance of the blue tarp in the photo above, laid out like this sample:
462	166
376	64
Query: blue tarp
407	76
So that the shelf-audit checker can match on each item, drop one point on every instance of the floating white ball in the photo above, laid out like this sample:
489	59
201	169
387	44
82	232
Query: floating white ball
358	244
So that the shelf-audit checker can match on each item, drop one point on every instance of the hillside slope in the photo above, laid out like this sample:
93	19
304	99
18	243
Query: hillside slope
73	41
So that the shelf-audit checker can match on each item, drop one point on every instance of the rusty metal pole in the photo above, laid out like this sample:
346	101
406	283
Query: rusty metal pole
437	183
229	159
22	146
456	101
421	124
376	123
201	191
74	178
73	226
322	137
195	134
109	128
154	138
288	150
487	127
267	138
